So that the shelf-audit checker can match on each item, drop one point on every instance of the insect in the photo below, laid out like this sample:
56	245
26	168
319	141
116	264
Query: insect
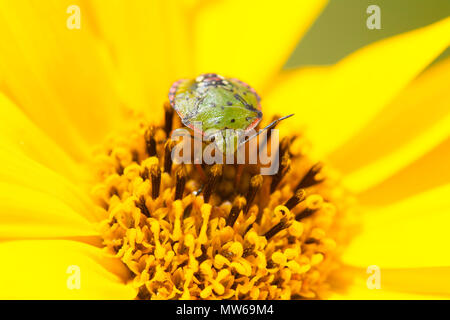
218	104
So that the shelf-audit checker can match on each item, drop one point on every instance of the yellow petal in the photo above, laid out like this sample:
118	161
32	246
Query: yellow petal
429	171
41	269
408	234
397	284
250	40
61	78
414	123
18	135
151	42
27	213
298	91
336	104
19	170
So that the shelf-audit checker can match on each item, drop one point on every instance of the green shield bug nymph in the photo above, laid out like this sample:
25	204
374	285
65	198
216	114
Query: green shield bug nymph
218	104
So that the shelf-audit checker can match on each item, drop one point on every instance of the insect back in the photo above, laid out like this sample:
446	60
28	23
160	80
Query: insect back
223	106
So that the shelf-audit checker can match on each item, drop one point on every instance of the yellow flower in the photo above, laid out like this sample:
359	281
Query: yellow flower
245	236
376	116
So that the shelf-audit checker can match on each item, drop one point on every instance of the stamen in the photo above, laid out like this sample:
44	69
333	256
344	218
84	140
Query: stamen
311	241
284	165
168	155
143	293
142	206
181	182
255	184
238	204
298	197
145	174
309	179
213	177
168	117
150	142
305	213
119	168
248	251
113	192
187	211
135	156
283	224
155	173
284	144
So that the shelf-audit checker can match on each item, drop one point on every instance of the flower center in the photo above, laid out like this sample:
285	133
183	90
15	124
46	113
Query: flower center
218	231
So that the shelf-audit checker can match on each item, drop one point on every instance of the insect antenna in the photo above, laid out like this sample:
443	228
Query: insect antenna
269	126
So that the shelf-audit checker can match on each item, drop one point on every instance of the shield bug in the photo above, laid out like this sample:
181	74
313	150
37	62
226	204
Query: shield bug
211	104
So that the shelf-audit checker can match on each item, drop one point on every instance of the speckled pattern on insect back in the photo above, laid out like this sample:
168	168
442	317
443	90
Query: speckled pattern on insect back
217	102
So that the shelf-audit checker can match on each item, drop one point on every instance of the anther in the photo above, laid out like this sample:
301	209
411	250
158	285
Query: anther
145	174
311	241
283	224
298	197
119	168
284	166
113	192
150	142
142	206
168	117
310	177
238	205
255	184
248	251
284	145
248	229
187	211
213	176
155	173
305	213
143	293
168	155
135	156
180	183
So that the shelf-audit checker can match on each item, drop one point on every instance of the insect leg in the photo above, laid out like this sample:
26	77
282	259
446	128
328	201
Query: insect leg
197	192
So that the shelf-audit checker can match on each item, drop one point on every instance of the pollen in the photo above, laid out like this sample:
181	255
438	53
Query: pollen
220	231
